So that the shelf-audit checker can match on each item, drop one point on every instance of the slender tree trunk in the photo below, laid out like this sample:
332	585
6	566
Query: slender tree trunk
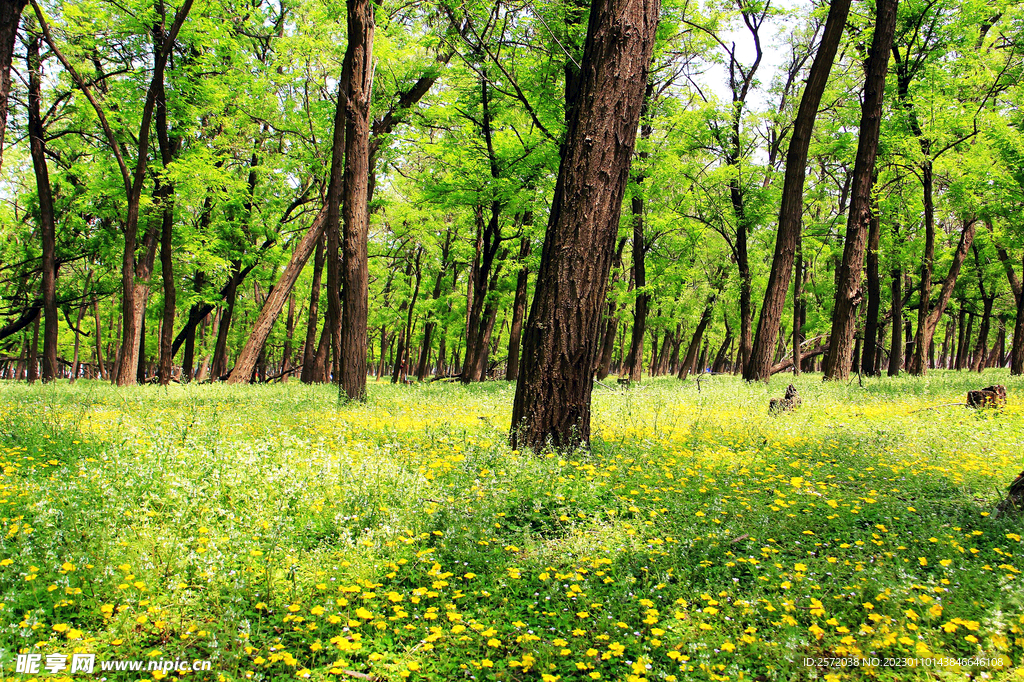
33	354
286	353
896	347
930	321
100	370
698	335
635	360
78	327
848	293
981	356
220	352
47	222
357	78
791	212
309	347
611	322
871	334
552	401
189	361
518	310
402	364
798	304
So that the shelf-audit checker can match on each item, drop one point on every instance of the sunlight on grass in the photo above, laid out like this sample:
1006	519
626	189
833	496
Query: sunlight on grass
281	536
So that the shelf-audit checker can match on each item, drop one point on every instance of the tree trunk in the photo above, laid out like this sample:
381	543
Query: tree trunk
220	352
275	302
286	353
189	361
402	361
47	221
698	335
309	347
981	355
357	77
611	322
552	401
78	328
33	354
896	347
518	310
10	15
848	293
798	304
928	323
871	334
100	370
791	212
635	360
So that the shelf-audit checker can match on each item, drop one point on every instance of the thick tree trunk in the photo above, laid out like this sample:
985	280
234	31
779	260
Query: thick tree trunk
357	78
47	221
848	292
552	402
275	302
791	212
10	15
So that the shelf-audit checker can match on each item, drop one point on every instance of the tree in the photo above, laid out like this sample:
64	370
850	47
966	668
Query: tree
357	77
552	401
791	212
848	294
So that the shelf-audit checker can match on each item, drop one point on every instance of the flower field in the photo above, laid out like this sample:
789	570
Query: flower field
281	536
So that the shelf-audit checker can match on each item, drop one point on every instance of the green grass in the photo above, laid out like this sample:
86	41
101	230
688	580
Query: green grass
279	536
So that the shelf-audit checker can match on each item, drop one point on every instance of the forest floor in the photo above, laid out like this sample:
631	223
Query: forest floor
279	536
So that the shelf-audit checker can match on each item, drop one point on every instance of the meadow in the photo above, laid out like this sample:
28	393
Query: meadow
281	536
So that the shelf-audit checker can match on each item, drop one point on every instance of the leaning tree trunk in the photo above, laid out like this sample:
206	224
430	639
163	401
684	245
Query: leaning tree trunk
790	214
246	361
848	293
358	80
552	401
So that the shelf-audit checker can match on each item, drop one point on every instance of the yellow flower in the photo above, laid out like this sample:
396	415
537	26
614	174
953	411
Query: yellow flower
413	665
728	646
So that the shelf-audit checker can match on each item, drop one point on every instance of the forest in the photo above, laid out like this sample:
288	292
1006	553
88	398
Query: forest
189	192
389	340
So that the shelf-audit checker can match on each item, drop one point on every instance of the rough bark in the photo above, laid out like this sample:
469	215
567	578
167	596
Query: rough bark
848	293
552	401
358	80
791	211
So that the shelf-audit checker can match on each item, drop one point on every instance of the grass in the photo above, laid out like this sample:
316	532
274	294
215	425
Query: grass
278	536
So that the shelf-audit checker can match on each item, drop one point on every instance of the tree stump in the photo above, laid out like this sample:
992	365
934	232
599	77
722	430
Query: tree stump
993	396
790	402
